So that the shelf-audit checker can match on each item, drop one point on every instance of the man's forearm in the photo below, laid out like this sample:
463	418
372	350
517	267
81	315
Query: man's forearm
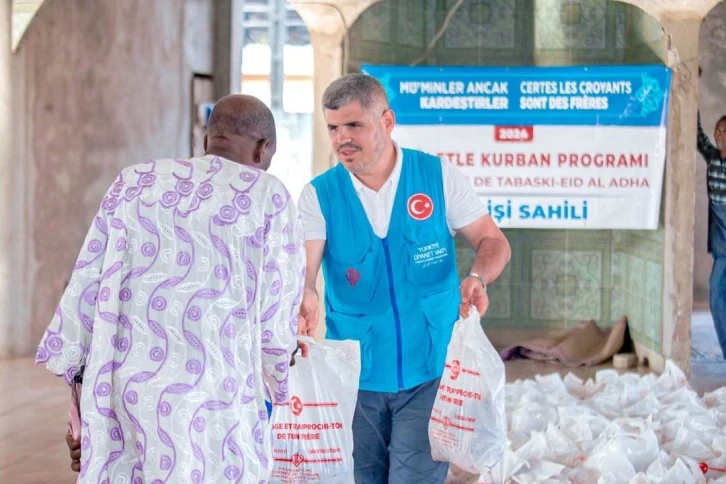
703	144
311	278
492	256
314	254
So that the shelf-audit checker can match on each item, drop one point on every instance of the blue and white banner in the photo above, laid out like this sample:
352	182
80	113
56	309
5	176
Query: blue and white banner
544	147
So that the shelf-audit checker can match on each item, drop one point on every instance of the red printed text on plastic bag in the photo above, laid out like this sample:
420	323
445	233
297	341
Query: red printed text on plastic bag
304	423
452	395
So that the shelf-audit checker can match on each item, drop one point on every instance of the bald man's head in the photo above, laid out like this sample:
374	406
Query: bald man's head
241	115
241	128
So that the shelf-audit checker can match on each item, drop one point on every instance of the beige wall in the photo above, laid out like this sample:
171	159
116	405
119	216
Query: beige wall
98	85
712	104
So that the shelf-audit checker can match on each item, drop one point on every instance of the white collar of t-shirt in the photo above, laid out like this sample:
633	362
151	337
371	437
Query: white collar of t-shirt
392	179
379	205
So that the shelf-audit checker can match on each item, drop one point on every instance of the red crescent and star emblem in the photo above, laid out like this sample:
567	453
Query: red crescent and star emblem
420	206
296	406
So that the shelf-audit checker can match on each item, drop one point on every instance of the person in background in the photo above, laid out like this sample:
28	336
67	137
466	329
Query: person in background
715	157
382	223
183	309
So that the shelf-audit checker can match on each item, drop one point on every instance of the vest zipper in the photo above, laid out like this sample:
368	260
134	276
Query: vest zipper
396	317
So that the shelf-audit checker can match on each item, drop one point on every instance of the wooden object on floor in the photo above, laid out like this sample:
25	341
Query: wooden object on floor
623	361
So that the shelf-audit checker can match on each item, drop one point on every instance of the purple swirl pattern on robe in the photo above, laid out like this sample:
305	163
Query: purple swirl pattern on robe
185	264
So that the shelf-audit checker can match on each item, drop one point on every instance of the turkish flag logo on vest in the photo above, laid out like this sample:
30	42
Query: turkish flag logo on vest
420	206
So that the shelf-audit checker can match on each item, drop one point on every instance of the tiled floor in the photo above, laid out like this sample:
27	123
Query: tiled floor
708	368
704	342
33	412
34	403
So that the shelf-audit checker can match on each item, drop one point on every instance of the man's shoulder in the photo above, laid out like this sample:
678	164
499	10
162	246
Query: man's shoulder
157	167
415	155
424	161
218	171
328	174
268	181
146	166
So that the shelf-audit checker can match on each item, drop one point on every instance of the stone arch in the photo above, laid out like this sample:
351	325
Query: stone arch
23	12
505	33
539	33
677	21
661	9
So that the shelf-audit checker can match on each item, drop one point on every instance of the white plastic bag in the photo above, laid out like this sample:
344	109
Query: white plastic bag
312	439
468	425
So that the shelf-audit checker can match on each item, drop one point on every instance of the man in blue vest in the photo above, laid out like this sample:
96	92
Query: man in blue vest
381	223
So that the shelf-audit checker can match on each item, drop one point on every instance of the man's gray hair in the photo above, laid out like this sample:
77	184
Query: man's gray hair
355	87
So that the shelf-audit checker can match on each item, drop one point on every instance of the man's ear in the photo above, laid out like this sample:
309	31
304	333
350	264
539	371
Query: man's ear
389	120
259	152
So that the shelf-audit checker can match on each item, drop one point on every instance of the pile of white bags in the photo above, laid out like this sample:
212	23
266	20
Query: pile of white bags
613	429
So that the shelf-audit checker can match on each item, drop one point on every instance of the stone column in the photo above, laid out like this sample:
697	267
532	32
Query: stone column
7	342
682	32
228	31
328	60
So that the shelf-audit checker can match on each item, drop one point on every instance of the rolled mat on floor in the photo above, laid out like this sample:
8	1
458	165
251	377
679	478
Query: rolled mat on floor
585	345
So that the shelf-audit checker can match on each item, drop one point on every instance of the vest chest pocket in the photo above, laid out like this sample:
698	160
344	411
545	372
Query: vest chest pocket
429	259
353	270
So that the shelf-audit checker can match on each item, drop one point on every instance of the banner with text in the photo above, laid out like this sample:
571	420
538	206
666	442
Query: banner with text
544	147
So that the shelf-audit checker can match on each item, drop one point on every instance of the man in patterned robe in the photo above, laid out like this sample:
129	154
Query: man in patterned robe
183	311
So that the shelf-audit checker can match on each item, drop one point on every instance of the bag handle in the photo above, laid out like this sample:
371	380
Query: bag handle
307	339
473	318
301	339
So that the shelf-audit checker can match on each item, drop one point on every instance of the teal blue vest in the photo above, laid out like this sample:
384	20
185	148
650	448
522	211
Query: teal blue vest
398	296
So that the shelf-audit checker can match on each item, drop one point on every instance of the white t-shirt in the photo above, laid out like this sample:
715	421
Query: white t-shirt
462	204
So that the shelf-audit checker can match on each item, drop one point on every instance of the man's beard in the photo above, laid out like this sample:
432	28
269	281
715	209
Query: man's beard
363	167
